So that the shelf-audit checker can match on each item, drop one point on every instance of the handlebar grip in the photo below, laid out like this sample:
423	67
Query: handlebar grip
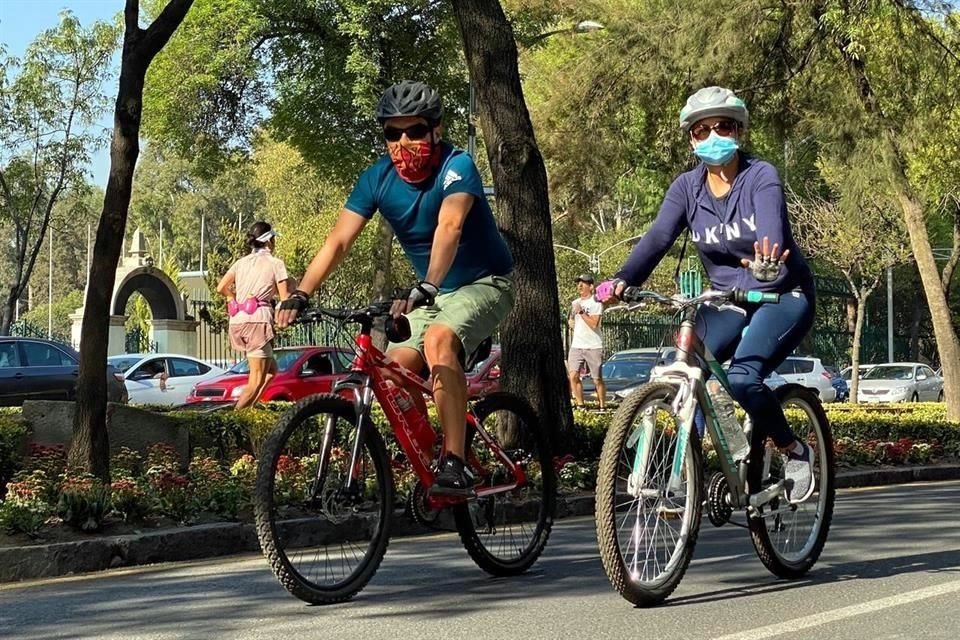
755	296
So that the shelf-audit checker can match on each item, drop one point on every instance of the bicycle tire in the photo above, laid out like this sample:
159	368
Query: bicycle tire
777	562
266	509
622	578
485	557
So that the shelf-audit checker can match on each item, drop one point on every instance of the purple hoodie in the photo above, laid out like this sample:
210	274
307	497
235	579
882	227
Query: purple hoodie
724	229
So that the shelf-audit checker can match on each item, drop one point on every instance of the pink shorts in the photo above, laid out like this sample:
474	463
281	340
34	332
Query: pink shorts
252	338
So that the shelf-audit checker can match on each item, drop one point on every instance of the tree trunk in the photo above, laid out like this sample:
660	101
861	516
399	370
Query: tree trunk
382	276
948	345
855	355
9	305
915	332
90	447
531	336
951	267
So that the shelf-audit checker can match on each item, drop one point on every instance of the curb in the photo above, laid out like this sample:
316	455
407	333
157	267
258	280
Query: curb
221	539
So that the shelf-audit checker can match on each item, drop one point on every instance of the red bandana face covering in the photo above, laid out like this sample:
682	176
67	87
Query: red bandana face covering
415	161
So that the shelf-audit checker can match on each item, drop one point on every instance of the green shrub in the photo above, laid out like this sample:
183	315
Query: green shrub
13	434
214	489
129	500
83	503
24	510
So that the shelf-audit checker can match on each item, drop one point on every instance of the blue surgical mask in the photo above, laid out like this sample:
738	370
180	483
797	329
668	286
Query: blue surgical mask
716	150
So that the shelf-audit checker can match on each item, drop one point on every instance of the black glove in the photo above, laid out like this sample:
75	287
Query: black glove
297	301
422	294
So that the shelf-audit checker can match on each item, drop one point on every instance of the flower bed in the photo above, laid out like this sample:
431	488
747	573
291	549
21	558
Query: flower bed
43	495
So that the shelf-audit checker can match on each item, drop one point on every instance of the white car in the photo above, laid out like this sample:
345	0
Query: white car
901	382
162	378
810	373
847	372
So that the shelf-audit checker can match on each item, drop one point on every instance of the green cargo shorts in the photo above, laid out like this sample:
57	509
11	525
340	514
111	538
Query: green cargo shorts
473	312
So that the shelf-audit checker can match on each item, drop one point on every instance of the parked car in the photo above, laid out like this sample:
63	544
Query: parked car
301	372
37	369
628	369
810	373
839	384
484	377
901	382
161	378
847	372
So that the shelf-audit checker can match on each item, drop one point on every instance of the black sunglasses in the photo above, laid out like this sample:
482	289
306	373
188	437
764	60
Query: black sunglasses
417	131
725	128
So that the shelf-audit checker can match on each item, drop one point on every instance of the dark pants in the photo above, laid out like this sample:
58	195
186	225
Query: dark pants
756	338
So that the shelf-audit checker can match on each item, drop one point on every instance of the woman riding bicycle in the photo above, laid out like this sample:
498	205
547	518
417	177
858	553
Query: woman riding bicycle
733	206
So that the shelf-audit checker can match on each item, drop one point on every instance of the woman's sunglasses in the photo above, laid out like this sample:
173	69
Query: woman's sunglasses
417	131
725	128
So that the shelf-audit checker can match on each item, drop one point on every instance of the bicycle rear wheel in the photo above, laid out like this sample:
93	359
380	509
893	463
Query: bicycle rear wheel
648	498
789	538
506	532
323	541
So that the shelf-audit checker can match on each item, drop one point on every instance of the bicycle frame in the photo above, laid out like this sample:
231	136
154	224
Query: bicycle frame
687	375
366	382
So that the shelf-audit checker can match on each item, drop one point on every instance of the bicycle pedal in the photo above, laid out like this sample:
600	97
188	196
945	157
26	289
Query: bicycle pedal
670	513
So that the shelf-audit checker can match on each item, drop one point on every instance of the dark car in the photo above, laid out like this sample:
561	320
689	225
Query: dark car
301	372
37	369
627	369
839	383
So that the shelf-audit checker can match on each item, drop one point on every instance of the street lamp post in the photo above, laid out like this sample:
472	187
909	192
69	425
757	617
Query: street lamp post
584	26
594	258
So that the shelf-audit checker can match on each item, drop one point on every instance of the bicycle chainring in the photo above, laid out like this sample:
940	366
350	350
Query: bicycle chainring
719	509
420	511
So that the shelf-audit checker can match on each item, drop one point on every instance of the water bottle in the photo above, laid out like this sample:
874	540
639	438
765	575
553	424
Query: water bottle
737	442
419	434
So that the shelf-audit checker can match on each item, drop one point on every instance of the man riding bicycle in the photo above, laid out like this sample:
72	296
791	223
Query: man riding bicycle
432	195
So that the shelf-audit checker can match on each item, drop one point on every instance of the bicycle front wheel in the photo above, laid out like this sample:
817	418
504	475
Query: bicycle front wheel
649	493
505	532
323	539
788	538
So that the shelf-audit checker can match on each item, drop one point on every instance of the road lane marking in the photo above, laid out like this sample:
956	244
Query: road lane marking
825	617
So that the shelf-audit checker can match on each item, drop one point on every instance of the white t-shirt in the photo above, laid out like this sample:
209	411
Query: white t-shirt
583	336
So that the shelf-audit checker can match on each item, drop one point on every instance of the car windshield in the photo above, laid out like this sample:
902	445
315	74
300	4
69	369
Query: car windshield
889	373
285	360
123	363
628	369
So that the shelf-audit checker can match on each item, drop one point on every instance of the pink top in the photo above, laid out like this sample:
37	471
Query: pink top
256	276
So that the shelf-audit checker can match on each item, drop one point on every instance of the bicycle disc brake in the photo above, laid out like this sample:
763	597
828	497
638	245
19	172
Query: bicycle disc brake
719	509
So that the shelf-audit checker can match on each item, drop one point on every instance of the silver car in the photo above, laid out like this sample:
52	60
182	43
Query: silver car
810	373
901	382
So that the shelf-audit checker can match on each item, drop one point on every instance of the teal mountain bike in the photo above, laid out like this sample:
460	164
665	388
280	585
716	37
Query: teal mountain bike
651	490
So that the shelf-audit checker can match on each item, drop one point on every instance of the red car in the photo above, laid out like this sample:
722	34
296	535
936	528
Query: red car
484	378
301	372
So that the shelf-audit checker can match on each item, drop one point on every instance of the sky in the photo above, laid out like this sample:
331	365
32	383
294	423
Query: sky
22	20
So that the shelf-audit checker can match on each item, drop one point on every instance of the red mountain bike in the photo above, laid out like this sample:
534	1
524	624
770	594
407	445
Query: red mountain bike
324	499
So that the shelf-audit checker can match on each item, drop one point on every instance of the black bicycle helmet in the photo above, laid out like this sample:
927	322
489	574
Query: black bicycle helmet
410	98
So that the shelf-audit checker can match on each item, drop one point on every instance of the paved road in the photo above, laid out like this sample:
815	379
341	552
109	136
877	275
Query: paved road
891	569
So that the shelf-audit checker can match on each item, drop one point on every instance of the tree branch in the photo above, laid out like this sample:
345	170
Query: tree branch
918	20
131	16
158	33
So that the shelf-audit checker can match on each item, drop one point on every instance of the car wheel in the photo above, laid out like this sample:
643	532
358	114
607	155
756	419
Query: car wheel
940	396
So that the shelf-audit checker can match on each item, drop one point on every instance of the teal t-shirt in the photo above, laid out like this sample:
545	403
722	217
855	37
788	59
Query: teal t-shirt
412	211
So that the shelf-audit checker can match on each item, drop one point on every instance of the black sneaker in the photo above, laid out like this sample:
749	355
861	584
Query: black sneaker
453	478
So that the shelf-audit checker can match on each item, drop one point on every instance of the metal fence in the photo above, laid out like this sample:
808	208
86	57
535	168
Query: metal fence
24	329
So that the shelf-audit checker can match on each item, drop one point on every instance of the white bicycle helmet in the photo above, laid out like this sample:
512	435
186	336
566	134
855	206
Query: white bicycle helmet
712	102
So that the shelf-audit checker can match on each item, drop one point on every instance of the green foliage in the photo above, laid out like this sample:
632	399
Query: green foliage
83	503
24	509
129	499
13	436
63	306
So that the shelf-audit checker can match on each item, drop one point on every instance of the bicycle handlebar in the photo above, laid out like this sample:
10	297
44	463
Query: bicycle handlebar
360	314
636	294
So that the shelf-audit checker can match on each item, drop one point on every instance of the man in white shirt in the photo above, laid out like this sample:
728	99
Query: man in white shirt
586	345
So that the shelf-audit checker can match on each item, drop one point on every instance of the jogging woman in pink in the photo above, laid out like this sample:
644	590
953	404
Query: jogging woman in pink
250	285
